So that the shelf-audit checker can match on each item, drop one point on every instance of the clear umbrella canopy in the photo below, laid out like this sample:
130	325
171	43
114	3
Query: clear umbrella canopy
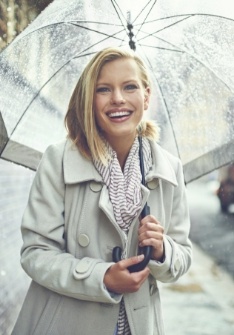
188	47
189	50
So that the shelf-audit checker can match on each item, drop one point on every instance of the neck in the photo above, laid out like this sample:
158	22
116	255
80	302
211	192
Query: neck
122	157
122	148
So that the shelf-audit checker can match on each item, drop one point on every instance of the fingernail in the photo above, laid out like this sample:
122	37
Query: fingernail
141	257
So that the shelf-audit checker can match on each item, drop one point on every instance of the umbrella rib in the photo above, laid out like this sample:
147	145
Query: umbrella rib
174	23
146	15
144	9
104	39
169	17
115	5
160	48
99	32
188	14
96	22
19	37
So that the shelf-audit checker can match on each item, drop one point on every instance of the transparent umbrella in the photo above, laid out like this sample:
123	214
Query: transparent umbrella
188	47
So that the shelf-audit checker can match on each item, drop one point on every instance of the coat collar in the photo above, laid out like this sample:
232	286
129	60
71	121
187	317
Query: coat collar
162	165
78	169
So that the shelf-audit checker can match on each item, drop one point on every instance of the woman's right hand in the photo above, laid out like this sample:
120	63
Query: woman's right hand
119	280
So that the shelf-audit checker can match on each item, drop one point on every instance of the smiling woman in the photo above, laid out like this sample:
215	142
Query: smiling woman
119	102
87	198
114	73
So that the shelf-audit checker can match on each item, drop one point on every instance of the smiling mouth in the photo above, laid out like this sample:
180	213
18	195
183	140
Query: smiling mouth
118	115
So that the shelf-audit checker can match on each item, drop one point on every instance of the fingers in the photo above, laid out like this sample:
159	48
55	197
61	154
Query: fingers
150	229
118	279
149	218
151	233
125	263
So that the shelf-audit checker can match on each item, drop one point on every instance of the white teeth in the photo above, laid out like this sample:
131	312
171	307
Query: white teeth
119	114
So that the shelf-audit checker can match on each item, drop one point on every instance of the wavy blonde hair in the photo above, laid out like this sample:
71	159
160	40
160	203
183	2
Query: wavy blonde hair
80	118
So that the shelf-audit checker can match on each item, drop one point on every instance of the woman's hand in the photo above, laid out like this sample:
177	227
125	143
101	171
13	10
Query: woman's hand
150	233
119	280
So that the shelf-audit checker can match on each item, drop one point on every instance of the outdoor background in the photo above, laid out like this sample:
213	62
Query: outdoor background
212	233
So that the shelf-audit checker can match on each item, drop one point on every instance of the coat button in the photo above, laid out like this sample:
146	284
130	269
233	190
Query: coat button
95	186
83	240
152	184
84	265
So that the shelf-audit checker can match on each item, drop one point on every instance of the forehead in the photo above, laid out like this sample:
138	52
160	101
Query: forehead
122	68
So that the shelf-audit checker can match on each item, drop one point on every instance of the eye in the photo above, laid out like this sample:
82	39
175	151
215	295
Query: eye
102	89
131	87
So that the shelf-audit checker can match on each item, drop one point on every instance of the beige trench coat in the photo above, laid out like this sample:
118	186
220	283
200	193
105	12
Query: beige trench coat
69	231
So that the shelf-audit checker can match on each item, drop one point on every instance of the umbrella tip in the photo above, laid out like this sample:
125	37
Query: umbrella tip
132	43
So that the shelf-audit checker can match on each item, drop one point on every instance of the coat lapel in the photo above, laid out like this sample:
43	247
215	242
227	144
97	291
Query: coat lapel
77	168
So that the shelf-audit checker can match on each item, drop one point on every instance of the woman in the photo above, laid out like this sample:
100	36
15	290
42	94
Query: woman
87	198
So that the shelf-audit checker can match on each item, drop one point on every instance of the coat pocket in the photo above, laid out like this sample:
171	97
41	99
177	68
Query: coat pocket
46	320
38	311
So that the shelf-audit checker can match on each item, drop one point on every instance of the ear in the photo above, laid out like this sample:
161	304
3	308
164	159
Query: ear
147	97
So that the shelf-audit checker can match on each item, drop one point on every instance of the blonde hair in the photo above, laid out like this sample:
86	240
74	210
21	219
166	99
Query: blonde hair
80	118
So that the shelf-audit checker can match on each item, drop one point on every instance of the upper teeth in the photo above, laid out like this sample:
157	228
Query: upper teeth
116	114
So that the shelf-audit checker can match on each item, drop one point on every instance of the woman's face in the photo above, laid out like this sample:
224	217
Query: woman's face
120	100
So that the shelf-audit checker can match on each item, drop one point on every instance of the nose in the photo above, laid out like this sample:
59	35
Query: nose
117	97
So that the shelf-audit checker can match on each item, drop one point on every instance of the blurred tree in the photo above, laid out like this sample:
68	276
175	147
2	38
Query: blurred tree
15	15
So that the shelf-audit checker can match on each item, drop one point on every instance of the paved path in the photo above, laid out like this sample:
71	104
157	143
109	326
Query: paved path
201	302
211	229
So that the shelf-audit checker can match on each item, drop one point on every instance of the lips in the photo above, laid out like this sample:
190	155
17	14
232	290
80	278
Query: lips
115	114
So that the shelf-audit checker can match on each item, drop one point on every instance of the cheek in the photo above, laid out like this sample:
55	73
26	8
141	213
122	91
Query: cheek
100	103
99	116
141	103
95	104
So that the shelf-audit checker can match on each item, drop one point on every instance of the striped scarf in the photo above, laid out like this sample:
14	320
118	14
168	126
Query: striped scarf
125	194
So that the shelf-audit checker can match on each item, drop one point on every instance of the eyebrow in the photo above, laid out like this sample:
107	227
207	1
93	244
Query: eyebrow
125	82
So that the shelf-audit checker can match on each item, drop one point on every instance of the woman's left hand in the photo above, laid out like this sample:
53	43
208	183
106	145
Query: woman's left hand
150	233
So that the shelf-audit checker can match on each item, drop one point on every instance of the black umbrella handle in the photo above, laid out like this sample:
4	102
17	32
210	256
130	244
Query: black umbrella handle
147	251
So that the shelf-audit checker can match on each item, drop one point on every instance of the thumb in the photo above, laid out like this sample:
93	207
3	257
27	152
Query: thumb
125	263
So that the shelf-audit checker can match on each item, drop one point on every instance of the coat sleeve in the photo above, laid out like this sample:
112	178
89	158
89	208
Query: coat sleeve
177	245
43	255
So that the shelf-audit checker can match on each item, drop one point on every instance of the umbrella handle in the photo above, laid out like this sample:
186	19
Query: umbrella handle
147	251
